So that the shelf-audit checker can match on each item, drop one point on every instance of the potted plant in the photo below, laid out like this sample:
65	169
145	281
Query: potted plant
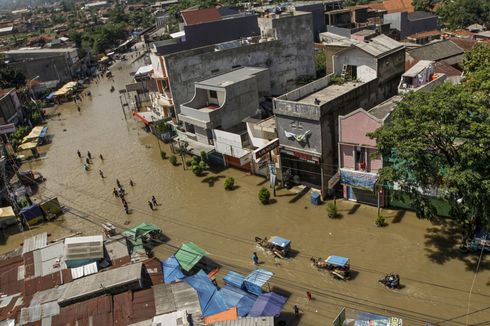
264	196
229	183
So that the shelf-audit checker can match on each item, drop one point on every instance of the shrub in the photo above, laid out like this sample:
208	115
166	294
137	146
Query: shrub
163	155
332	209
264	196
188	163
173	160
380	221
196	169
229	183
204	156
203	165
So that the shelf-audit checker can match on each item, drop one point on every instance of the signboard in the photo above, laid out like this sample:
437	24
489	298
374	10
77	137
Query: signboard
339	320
303	156
266	149
7	129
273	180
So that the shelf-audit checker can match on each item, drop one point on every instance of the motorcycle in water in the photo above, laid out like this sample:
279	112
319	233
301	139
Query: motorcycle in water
391	281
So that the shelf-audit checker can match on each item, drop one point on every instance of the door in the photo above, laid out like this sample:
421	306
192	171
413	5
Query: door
350	194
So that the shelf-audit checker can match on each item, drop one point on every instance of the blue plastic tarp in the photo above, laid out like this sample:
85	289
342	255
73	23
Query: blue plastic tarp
337	260
255	280
210	300
171	270
234	279
358	179
31	212
235	297
43	132
267	304
369	319
280	241
50	96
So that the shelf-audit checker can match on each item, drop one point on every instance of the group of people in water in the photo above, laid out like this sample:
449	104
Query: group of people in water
88	161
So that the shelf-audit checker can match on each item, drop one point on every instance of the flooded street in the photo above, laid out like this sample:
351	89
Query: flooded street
437	279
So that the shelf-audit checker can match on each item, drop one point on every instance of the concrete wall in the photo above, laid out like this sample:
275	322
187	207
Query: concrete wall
299	126
289	59
241	102
211	33
355	127
406	27
52	68
366	63
9	108
318	14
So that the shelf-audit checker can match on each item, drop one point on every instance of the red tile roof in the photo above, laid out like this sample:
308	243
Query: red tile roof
398	6
192	17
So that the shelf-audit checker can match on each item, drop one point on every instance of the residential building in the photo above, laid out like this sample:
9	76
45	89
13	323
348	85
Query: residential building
357	159
6	30
10	106
60	64
348	21
307	117
409	23
285	47
215	114
96	5
445	50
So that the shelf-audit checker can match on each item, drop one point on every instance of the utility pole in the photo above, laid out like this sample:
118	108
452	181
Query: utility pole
272	176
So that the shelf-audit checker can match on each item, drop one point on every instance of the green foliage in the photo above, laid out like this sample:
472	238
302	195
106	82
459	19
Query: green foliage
320	63
18	135
173	160
424	5
462	13
478	58
332	210
229	183
264	195
198	166
441	140
10	78
380	221
162	126
355	2
104	37
204	156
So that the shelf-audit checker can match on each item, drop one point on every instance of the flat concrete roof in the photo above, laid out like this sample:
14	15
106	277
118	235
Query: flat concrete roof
39	50
232	77
329	93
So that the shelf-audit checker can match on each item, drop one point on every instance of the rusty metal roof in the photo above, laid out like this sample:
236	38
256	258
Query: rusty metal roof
154	268
143	306
199	16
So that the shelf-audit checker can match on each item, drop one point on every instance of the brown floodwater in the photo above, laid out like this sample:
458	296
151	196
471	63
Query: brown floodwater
436	277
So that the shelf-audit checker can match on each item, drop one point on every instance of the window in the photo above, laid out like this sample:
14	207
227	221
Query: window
360	157
213	94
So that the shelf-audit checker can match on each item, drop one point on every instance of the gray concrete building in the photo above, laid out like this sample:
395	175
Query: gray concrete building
307	117
60	65
285	47
10	106
406	24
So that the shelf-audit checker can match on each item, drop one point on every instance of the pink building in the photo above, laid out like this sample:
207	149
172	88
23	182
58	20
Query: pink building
358	160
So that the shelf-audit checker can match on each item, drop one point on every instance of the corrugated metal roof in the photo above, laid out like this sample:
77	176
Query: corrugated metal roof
90	247
164	299
177	318
200	16
98	283
380	46
186	299
97	311
154	268
117	248
248	321
49	295
49	260
38	312
436	51
143	306
36	242
84	270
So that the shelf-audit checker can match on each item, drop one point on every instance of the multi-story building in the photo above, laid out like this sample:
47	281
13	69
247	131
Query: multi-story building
307	117
409	23
358	162
285	47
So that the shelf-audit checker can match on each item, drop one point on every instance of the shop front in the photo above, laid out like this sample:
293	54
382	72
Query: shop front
360	187
299	167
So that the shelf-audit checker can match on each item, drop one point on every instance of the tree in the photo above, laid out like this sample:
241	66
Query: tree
478	58
10	77
424	5
462	13
229	183
441	140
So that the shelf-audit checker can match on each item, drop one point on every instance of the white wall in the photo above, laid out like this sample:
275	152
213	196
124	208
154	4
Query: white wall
228	143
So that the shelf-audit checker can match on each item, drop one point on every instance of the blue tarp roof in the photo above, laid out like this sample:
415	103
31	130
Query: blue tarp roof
255	280
267	304
210	299
234	279
337	260
171	270
369	319
30	212
280	241
235	297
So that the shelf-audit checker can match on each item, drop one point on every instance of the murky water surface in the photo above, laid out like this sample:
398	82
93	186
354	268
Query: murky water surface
436	277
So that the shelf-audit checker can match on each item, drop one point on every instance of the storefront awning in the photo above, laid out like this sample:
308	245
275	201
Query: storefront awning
358	179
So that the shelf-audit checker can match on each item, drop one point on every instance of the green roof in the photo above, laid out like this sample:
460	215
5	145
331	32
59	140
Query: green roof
135	234
189	255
